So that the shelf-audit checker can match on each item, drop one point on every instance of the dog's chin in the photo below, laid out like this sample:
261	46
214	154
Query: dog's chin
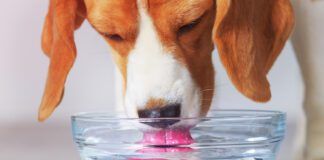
181	124
156	125
151	124
189	117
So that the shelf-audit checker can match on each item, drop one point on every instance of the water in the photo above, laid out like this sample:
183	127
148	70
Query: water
229	136
93	149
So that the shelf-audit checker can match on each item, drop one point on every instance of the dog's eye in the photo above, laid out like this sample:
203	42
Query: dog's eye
114	37
188	27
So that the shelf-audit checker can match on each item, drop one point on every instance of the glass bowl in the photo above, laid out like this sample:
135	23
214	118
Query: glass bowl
222	135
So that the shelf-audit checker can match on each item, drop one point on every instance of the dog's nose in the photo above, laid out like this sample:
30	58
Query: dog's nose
158	113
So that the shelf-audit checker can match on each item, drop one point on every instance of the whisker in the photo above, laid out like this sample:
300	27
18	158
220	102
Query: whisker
206	90
206	99
214	87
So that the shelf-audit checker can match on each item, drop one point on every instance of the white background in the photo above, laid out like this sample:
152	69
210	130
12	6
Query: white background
91	87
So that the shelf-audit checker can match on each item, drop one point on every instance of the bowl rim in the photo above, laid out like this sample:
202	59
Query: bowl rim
221	115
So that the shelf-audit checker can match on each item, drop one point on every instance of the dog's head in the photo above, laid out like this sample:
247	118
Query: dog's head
163	49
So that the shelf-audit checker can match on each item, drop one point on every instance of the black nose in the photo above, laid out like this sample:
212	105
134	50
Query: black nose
157	114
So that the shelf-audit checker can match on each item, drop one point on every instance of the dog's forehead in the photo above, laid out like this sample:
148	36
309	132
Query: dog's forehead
180	5
178	11
111	6
126	9
111	13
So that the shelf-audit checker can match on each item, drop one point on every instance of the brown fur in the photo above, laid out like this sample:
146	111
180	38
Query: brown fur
194	48
155	103
58	44
249	35
116	17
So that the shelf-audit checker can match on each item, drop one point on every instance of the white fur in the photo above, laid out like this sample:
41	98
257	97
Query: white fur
153	72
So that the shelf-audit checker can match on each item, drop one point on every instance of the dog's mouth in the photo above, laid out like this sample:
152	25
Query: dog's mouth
163	117
167	137
166	132
161	123
165	126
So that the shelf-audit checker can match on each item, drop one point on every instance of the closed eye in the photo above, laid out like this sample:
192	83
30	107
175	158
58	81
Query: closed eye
188	27
113	37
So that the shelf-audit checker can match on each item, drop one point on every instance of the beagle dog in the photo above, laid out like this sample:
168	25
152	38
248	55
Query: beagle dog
163	49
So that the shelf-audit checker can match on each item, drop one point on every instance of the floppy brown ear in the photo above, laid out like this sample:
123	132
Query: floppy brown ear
64	16
249	35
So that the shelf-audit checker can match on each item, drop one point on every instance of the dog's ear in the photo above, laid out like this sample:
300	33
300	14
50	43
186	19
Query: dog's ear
63	17
249	35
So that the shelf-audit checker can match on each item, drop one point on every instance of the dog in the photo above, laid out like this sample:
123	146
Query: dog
309	48
163	49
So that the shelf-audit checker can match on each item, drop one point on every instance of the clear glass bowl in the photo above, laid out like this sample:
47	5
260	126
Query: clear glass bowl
222	135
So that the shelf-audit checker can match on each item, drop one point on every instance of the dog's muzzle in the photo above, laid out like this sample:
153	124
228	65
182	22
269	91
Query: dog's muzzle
161	117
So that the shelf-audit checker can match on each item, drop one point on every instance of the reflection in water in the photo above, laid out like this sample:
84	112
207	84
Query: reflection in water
228	135
159	150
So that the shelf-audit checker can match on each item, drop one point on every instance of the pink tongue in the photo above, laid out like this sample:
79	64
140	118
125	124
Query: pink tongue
167	137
